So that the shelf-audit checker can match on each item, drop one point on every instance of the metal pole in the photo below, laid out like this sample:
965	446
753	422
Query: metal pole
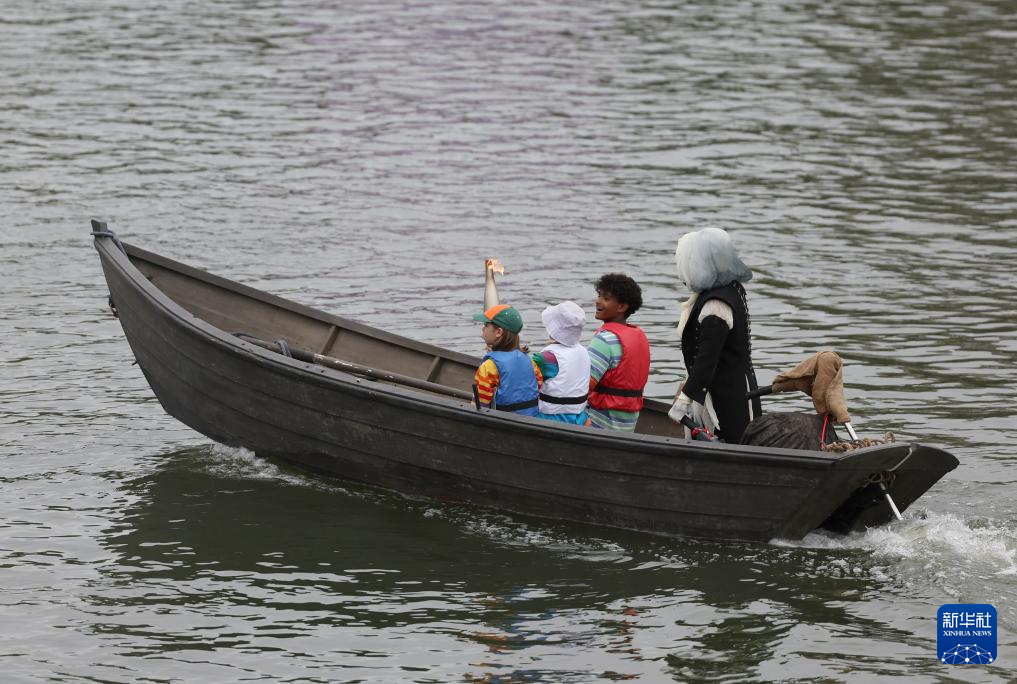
889	500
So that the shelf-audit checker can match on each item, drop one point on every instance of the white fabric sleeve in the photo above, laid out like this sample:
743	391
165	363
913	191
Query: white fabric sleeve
715	307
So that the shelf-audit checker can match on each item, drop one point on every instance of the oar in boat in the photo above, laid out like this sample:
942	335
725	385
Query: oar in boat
281	347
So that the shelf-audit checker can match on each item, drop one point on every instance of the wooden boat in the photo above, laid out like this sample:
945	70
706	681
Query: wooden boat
398	413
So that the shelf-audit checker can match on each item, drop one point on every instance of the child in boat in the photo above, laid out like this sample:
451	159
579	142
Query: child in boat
507	379
619	356
565	365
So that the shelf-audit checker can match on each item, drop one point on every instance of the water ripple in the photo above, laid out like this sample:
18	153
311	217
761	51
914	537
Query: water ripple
365	162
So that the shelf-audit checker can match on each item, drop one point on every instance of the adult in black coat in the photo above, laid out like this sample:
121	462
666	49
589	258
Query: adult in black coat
715	334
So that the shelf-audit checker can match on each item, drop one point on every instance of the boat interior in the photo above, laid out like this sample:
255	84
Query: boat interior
235	308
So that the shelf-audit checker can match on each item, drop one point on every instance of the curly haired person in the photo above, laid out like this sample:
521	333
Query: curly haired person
619	356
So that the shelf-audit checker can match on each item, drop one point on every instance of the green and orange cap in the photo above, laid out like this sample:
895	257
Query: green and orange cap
503	316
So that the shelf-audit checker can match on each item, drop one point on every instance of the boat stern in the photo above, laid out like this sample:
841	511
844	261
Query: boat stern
866	506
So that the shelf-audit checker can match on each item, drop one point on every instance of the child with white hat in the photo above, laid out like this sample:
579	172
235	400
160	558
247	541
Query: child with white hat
564	365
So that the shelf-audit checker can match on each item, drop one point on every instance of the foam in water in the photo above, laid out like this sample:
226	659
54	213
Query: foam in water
976	541
970	560
238	463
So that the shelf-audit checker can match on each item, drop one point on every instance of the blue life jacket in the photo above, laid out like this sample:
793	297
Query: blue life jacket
517	383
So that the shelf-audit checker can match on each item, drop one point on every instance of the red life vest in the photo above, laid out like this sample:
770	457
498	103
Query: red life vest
621	388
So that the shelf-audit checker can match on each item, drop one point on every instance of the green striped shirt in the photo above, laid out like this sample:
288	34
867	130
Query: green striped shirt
606	353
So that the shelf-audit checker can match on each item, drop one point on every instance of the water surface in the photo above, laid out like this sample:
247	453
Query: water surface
365	160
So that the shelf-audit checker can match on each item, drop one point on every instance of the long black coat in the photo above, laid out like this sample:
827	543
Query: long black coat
719	361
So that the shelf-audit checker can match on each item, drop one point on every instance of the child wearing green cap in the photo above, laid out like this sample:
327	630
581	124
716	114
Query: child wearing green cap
507	379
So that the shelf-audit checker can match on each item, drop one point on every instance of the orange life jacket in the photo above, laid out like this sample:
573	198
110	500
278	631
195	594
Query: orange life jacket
621	388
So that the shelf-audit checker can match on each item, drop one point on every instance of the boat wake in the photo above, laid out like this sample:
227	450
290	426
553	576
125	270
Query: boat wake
988	547
238	463
511	532
969	560
939	555
961	559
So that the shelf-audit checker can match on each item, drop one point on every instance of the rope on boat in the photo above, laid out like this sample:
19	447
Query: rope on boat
882	480
885	477
844	445
284	347
99	229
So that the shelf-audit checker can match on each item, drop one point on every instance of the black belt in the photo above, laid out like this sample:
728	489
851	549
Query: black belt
562	400
617	392
516	406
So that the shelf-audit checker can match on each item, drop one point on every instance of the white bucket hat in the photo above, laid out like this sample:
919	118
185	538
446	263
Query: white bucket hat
564	322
